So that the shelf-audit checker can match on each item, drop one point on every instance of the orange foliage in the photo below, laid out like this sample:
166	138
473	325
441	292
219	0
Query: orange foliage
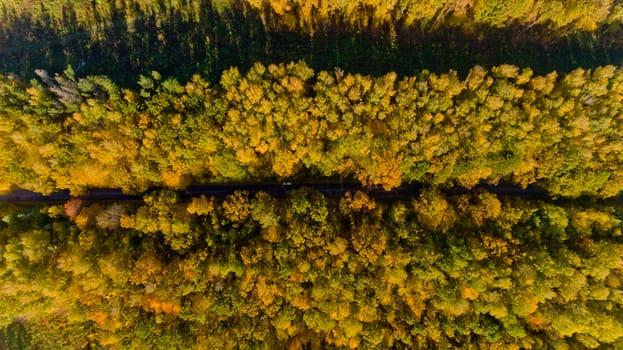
535	321
150	302
469	293
99	317
72	207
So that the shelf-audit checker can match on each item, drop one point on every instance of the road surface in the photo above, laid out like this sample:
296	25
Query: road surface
276	190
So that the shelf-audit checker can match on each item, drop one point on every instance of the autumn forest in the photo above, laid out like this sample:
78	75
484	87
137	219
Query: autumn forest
450	97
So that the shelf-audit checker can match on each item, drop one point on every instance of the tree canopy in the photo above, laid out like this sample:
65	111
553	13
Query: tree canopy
450	97
306	270
311	15
123	39
284	121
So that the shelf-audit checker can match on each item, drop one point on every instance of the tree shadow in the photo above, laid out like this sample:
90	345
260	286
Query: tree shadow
195	37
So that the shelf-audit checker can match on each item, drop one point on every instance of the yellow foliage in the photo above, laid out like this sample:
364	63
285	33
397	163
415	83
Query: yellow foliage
5	186
506	71
586	221
201	205
145	267
469	293
82	220
416	304
367	313
55	211
359	201
281	323
486	206
388	172
266	292
236	206
271	234
301	301
293	84
494	102
246	156
535	322
297	276
152	303
254	93
498	311
98	316
368	243
353	343
495	246
433	211
174	179
285	163
339	310
352	328
396	275
90	176
454	308
525	304
337	246
474	176
110	340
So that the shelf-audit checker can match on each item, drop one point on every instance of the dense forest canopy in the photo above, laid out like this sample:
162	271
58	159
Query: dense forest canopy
471	271
284	121
560	16
159	95
123	39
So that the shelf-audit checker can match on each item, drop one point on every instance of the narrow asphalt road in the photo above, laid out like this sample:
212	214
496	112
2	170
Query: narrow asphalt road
276	190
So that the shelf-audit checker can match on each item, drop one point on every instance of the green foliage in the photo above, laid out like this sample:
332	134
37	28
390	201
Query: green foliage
281	121
15	336
253	271
309	16
371	273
